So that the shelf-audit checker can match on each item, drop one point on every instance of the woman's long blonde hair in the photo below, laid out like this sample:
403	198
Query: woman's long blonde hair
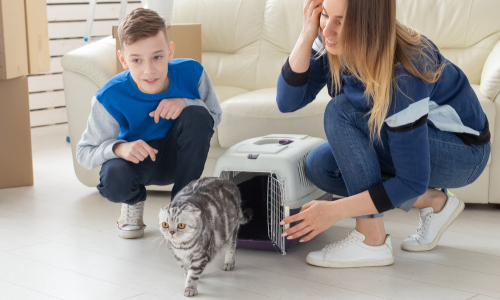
373	45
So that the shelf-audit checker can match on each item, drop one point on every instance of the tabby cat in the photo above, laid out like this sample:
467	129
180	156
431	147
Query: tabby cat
202	218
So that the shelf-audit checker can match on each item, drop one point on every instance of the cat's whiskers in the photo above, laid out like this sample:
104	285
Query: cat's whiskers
158	241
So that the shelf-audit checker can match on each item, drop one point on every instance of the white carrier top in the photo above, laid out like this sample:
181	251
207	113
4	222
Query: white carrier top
280	154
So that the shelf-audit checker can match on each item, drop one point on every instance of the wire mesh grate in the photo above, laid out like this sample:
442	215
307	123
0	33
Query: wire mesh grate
276	210
300	168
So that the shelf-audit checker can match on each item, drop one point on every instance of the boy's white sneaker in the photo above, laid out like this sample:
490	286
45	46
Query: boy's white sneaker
130	223
432	225
352	252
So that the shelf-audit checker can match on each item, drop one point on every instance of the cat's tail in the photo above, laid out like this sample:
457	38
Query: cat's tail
246	216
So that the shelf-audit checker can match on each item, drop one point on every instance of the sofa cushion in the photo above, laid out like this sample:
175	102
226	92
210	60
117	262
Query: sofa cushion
256	114
465	31
490	78
248	46
225	92
488	108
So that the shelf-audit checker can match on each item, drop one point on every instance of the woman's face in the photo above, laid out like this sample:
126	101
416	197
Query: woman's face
330	22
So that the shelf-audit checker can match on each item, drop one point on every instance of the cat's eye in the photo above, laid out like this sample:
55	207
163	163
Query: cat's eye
181	225
164	225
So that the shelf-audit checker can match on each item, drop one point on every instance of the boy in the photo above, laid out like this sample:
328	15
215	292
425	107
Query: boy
151	124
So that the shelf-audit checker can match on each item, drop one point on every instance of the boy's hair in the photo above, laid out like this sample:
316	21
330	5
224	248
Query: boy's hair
139	24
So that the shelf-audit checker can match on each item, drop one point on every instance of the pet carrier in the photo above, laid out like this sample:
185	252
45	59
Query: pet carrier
269	172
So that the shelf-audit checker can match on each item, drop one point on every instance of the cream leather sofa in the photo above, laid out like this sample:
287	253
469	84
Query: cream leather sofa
246	42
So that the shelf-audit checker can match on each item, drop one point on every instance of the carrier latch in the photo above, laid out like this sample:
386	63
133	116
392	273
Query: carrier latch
285	142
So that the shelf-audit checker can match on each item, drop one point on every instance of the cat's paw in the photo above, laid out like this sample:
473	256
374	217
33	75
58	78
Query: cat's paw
228	266
190	292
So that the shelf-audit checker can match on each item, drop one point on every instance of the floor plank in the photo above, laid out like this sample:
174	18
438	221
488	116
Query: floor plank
110	269
482	297
355	279
14	240
58	282
14	292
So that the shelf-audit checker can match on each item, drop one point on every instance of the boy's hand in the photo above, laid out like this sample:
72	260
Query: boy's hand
135	151
168	109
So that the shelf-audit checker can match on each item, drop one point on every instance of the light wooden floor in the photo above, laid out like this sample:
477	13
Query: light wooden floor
58	241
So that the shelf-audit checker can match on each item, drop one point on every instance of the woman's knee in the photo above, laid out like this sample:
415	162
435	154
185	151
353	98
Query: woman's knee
322	170
337	110
313	164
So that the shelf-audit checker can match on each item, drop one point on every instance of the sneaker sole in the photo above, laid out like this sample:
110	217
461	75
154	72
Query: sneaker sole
349	264
427	247
131	234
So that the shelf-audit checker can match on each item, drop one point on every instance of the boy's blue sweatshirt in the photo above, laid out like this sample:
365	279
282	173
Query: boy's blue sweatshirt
120	111
450	104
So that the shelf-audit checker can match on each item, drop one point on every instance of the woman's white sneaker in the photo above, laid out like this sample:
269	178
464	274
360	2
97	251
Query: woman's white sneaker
130	223
433	225
352	252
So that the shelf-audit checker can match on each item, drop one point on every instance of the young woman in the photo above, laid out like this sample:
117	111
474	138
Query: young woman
403	122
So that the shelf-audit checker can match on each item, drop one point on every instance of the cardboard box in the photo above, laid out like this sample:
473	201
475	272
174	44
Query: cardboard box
13	44
119	67
186	37
16	163
37	32
187	40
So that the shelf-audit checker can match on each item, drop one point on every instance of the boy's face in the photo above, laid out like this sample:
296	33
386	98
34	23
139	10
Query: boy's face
147	59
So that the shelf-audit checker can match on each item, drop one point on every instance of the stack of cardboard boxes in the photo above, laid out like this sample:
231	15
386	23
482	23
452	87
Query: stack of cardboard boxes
24	50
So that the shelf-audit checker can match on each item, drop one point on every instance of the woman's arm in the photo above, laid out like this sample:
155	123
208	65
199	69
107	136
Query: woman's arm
303	74
317	216
301	53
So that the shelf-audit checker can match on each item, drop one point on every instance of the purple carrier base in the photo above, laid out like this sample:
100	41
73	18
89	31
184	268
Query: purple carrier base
263	245
268	244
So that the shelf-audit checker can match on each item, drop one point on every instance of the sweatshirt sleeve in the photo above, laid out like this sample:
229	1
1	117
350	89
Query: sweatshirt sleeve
296	90
208	98
96	145
408	141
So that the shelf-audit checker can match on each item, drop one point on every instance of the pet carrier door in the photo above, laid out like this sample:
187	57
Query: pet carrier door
276	211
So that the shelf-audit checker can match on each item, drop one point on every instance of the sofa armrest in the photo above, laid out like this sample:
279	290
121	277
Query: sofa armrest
95	61
490	78
86	69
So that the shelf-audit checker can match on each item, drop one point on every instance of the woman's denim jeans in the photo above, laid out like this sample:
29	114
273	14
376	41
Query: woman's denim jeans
349	164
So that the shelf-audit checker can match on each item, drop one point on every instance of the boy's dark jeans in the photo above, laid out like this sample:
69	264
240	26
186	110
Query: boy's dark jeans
180	159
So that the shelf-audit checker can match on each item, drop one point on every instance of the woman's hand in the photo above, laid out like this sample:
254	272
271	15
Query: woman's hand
301	54
312	11
316	216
